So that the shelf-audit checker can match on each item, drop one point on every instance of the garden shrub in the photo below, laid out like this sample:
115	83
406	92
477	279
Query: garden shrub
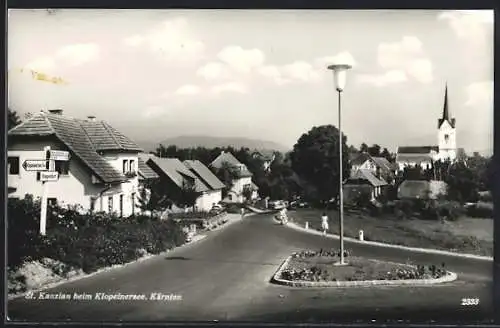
87	241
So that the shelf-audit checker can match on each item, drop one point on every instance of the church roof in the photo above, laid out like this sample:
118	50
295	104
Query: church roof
417	149
446	111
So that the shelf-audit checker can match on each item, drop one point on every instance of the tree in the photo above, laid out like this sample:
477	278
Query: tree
363	148
188	194
387	155
227	174
12	119
374	150
247	193
153	197
315	158
461	182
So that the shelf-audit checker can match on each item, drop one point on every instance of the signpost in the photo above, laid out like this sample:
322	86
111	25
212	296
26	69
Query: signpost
59	155
49	176
35	165
46	168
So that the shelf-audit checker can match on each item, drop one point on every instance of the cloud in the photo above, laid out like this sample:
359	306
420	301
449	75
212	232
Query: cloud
229	87
214	71
468	23
343	57
171	40
274	74
78	54
401	61
301	71
68	55
380	80
241	60
188	89
153	111
480	94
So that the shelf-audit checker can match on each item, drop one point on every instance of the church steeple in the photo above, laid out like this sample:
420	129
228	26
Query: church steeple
446	112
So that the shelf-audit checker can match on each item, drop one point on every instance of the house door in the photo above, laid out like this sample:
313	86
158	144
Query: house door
121	205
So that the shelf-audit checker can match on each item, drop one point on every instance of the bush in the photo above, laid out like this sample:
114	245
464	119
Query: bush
85	241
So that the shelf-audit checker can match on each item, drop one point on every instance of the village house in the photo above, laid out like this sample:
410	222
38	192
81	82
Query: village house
380	167
146	176
192	174
364	181
446	149
242	181
267	158
101	174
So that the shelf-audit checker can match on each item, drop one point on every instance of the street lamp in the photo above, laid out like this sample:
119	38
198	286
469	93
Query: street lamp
339	79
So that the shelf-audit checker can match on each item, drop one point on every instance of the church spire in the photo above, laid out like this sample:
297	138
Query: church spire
446	114
446	111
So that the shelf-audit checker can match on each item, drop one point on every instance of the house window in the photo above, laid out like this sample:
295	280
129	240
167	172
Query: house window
230	197
110	204
92	204
133	203
52	201
132	165
121	205
62	167
125	166
13	164
446	137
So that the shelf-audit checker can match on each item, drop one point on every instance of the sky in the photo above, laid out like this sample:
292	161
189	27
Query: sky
156	74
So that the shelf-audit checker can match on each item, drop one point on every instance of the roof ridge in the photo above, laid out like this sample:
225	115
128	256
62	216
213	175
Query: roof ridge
80	122
39	114
108	128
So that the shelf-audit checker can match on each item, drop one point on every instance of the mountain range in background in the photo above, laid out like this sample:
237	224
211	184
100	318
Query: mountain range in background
213	142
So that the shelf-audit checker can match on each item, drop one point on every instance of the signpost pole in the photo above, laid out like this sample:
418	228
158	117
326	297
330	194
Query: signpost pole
45	191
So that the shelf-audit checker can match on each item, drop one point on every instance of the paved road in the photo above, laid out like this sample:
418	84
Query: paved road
226	277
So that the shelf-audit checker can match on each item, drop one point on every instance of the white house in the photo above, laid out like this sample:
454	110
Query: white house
176	175
267	158
426	155
101	174
378	166
243	180
214	193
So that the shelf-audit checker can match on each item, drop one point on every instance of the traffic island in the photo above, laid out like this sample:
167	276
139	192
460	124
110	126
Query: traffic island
321	269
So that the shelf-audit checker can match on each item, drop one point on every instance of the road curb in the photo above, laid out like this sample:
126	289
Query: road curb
449	277
379	244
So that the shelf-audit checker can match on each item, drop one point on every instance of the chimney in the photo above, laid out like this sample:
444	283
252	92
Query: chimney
91	118
56	111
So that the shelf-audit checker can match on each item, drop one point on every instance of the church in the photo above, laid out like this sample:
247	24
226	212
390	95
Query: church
426	155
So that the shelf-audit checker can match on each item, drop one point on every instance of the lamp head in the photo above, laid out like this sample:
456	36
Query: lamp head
339	75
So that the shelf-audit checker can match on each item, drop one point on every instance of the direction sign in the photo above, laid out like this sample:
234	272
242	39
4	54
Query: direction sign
35	165
49	176
59	155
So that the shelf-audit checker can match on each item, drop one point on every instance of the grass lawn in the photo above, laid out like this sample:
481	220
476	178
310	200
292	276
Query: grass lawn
467	235
323	268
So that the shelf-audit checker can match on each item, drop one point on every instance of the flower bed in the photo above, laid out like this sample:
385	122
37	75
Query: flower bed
319	266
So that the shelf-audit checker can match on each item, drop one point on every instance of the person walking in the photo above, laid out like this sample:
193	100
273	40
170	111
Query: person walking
242	213
324	223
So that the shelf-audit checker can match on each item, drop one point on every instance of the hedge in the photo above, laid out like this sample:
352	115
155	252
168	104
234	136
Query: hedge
425	209
86	241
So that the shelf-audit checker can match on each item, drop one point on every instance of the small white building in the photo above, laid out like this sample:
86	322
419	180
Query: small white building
426	155
176	175
242	181
101	174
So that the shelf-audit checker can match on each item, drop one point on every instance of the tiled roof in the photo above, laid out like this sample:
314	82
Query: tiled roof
383	163
204	174
74	136
417	149
255	187
360	158
177	172
403	158
227	157
105	137
145	172
368	176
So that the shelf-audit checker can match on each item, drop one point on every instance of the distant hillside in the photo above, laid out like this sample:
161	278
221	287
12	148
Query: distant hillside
212	142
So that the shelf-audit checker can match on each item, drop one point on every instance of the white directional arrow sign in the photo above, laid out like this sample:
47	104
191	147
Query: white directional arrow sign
36	165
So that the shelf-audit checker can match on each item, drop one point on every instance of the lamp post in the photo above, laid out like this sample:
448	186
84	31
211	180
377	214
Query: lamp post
339	79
